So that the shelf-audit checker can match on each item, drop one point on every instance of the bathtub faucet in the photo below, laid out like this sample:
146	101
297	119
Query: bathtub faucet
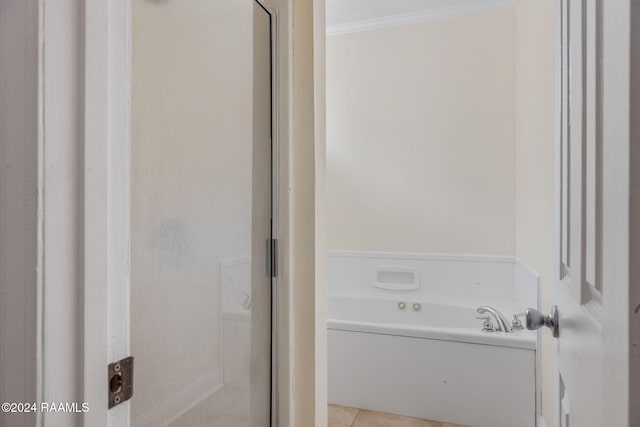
501	321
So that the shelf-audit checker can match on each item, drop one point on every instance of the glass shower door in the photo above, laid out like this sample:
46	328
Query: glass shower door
201	215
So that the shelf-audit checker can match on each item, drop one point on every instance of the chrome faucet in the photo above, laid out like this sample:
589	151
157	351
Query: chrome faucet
501	321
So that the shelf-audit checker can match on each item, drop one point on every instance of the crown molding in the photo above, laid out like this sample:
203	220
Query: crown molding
472	7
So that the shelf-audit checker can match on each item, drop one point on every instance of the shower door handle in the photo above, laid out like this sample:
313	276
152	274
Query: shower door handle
536	320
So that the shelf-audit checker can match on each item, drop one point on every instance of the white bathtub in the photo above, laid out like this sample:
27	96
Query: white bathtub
434	363
437	320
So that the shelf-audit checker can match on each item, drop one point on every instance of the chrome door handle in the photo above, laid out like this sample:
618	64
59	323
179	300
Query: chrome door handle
536	320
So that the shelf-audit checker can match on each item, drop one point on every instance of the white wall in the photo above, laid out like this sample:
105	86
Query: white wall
18	206
535	164
634	212
40	231
192	114
421	137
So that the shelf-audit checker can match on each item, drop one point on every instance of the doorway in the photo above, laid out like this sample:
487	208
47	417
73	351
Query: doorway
439	230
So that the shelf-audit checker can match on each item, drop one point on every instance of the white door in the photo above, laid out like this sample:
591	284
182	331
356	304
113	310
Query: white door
180	271
592	286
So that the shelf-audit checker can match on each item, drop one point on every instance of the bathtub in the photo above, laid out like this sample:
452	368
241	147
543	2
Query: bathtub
419	350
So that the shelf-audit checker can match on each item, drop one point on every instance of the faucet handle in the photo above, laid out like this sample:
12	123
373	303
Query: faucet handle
487	325
516	323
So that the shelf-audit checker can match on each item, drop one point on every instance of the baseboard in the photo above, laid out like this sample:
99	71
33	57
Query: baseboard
178	404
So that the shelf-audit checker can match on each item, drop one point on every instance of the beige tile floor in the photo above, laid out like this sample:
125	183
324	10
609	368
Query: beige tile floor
229	407
342	416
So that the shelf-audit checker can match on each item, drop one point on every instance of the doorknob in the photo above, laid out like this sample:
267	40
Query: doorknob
536	320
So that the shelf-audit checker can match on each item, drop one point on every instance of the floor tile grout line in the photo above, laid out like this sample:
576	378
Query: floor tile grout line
354	418
359	410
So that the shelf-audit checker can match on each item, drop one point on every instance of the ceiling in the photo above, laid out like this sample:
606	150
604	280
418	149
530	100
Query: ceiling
346	16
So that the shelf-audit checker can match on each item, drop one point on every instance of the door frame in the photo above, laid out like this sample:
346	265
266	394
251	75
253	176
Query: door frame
621	246
98	333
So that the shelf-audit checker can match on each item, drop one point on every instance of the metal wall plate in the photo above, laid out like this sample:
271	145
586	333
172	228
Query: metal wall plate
120	381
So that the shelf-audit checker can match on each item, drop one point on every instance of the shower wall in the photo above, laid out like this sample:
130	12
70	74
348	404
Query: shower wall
421	137
191	190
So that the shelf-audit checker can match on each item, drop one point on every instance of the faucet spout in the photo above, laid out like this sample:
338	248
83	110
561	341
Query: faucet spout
501	321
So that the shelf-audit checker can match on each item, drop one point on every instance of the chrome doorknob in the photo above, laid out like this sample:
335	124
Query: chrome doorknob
536	320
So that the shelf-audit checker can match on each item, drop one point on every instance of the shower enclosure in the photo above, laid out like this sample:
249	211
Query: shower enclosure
202	212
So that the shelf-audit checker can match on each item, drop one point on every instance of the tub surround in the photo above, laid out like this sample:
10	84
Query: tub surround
467	278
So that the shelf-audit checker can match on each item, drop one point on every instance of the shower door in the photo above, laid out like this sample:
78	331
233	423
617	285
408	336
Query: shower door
201	213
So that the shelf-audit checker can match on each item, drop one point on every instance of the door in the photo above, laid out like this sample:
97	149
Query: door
201	213
592	376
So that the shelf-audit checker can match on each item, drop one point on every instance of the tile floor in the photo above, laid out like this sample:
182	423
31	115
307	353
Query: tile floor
229	407
342	416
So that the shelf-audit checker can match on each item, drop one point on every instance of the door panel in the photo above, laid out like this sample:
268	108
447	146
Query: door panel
581	294
580	341
201	213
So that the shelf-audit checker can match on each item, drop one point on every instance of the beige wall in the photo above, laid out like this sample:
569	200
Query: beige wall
320	81
535	162
421	137
307	232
